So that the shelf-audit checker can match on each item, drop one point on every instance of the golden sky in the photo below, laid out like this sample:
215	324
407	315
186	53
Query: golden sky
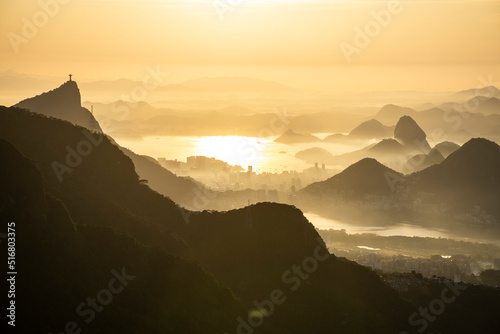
115	38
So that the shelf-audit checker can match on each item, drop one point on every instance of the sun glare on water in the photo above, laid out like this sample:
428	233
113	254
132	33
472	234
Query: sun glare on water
235	150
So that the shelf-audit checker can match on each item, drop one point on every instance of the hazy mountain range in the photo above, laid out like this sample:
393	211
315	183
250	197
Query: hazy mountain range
87	216
101	207
11	80
461	190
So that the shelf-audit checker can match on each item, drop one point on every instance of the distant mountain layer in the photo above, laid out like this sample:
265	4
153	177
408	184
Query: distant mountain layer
292	137
387	148
458	122
390	114
467	178
409	139
316	155
12	81
446	148
488	91
372	129
366	177
422	161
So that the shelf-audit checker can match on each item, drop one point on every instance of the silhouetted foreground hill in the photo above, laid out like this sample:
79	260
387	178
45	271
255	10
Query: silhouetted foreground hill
62	265
99	187
104	198
100	222
65	103
180	189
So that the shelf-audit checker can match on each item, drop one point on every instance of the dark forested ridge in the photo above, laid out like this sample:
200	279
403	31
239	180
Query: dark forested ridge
188	272
64	262
247	254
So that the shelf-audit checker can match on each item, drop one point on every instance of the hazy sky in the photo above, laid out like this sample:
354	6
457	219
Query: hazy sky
421	45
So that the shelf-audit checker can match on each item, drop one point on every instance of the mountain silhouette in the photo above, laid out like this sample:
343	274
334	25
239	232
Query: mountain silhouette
64	103
194	272
292	137
411	135
366	177
386	147
446	148
476	165
316	155
409	140
422	161
159	292
104	196
390	113
467	178
488	91
182	190
335	138
489	106
371	129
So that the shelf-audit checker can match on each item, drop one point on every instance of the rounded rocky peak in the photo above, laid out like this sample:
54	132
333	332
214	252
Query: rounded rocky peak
408	131
67	95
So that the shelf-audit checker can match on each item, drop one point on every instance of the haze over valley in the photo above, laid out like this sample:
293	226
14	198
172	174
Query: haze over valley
250	167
